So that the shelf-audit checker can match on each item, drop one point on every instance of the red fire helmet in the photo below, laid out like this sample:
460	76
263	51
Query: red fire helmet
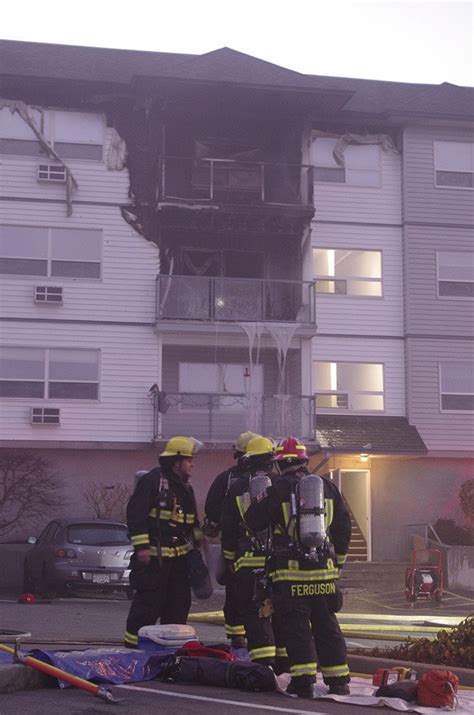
26	598
292	449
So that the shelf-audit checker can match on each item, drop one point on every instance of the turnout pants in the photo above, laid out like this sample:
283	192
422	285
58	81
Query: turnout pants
161	592
310	630
234	628
260	642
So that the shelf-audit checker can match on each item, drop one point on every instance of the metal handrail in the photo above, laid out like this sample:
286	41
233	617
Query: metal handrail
237	161
307	300
429	527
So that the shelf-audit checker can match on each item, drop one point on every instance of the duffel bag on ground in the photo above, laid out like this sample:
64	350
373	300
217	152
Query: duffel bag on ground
437	689
211	671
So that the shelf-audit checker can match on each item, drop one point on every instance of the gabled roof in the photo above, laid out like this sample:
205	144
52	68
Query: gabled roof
369	434
228	65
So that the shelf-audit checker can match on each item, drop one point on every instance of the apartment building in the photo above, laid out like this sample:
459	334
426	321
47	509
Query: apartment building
208	244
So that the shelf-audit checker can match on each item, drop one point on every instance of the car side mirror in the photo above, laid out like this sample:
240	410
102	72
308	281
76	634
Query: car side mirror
31	540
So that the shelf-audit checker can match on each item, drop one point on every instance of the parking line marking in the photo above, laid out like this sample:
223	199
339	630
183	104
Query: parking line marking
254	706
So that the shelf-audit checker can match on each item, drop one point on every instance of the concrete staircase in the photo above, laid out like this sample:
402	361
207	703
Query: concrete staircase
358	545
374	576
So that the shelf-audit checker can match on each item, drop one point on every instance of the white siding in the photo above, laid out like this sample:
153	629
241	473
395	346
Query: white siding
340	202
426	312
388	352
18	178
129	366
439	430
355	314
126	291
423	202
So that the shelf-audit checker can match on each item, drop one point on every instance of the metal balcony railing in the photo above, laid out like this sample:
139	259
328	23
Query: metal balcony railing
231	181
234	299
222	416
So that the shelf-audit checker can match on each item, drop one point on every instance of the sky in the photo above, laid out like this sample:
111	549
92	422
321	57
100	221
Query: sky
398	40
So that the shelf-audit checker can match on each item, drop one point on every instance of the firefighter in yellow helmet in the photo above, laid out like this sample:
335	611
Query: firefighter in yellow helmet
244	550
162	523
212	526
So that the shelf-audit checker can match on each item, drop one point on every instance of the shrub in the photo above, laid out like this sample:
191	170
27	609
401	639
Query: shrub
452	534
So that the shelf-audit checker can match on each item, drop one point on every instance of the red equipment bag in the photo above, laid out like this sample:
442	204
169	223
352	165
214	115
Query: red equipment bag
437	689
196	649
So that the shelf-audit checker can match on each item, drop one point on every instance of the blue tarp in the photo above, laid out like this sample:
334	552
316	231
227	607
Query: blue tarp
111	666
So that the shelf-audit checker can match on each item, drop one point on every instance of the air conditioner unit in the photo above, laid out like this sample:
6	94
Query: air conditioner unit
48	294
45	416
51	172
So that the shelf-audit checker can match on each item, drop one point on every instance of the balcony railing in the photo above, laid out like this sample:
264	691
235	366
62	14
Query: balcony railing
234	299
230	181
222	416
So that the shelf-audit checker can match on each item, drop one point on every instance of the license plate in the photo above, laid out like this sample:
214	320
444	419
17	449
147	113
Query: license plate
100	578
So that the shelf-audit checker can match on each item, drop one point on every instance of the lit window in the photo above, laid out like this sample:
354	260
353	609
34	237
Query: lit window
349	386
457	386
454	165
361	163
346	272
74	135
56	252
49	373
455	274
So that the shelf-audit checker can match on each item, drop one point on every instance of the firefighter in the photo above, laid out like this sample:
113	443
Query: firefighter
245	553
212	526
163	526
311	533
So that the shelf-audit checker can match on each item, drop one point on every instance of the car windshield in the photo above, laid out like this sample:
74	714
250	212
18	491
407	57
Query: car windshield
97	534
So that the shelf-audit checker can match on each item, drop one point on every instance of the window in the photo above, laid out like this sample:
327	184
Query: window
49	373
349	386
346	272
457	386
210	379
454	165
74	135
362	163
56	252
455	274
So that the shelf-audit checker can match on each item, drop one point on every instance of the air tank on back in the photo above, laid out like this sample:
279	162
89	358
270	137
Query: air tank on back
312	531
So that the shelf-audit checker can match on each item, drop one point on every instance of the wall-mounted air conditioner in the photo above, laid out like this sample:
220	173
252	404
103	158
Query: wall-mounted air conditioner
48	294
51	172
45	416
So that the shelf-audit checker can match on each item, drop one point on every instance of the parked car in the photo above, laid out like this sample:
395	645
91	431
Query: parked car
76	554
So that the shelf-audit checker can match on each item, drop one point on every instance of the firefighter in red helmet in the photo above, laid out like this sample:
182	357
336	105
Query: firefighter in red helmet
311	532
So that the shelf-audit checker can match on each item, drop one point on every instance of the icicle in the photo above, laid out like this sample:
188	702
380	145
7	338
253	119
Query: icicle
282	335
254	333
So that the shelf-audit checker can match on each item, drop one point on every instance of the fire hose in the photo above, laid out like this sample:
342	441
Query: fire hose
52	670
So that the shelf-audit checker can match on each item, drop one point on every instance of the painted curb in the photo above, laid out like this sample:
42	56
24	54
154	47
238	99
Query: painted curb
15	677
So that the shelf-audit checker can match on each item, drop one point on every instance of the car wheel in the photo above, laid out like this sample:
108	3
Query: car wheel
28	582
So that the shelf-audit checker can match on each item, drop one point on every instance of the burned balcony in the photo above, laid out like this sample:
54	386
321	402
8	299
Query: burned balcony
220	416
228	181
219	299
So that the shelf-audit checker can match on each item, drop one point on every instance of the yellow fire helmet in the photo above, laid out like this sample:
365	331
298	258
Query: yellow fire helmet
258	446
243	439
181	447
